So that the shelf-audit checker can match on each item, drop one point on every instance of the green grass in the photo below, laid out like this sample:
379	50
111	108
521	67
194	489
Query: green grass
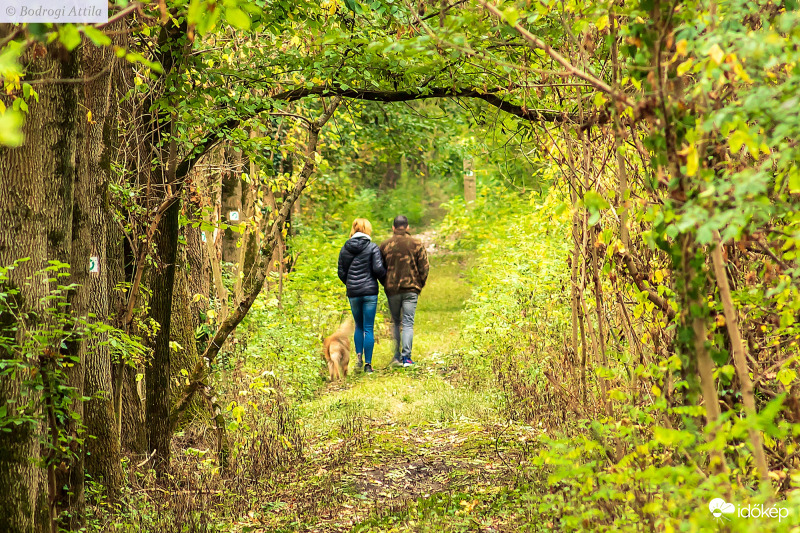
418	395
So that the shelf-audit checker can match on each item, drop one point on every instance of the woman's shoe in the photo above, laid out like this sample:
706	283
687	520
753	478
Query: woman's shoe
368	368
359	361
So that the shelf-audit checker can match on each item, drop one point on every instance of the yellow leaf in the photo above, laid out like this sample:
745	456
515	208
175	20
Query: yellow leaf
737	139
89	117
692	161
2	107
602	22
680	47
599	100
744	76
717	54
685	66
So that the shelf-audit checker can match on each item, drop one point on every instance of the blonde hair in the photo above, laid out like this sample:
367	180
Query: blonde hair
362	225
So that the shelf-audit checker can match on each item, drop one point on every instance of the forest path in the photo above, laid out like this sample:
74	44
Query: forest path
405	449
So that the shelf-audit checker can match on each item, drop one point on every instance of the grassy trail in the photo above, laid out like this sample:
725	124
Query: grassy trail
405	449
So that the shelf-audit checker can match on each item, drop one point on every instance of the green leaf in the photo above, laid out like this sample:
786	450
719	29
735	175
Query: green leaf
595	202
96	36
69	36
238	18
11	128
672	437
684	67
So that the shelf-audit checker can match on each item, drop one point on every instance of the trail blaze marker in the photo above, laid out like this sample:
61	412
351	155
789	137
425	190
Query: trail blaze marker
94	265
233	216
470	191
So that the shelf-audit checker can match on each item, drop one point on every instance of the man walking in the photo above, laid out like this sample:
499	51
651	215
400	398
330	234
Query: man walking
406	273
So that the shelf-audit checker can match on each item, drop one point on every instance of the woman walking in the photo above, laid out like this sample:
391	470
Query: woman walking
360	268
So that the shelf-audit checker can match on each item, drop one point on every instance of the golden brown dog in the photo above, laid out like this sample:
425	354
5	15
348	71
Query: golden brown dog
336	350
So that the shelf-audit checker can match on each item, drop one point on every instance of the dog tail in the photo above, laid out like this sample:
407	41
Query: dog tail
336	357
346	329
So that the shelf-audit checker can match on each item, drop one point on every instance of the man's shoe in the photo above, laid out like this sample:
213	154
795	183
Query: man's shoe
368	368
396	361
408	362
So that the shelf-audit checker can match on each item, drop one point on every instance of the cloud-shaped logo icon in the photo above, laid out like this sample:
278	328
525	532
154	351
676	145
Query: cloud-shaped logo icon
718	507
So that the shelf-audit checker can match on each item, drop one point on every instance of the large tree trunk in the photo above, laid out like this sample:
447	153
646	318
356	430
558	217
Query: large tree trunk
158	371
199	282
128	402
185	356
102	448
131	427
157	374
27	213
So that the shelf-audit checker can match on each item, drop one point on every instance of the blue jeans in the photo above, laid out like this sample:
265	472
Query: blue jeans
364	309
403	306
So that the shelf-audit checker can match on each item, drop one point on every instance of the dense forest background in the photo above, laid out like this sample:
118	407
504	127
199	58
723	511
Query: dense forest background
611	338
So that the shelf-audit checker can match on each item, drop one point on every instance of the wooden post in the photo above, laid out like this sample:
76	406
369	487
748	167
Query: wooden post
469	182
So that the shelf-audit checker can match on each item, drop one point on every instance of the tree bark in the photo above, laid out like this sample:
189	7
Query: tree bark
231	203
199	281
164	178
46	157
91	194
184	356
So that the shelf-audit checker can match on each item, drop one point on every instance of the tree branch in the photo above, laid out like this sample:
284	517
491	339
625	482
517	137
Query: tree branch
200	371
638	280
490	97
561	60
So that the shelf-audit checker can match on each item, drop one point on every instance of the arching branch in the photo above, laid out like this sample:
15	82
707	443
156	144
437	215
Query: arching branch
490	97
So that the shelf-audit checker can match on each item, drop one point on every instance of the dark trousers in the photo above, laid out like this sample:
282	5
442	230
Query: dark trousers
403	306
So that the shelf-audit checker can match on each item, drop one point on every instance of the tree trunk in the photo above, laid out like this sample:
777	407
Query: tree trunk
250	238
739	357
158	371
231	204
199	282
130	427
26	172
91	194
184	356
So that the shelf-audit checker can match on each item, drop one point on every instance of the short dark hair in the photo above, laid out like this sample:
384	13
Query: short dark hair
400	221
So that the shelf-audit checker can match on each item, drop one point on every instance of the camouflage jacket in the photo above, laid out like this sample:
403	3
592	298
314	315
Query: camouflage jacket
406	263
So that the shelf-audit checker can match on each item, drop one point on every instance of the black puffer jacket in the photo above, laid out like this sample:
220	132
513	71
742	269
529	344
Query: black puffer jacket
361	266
